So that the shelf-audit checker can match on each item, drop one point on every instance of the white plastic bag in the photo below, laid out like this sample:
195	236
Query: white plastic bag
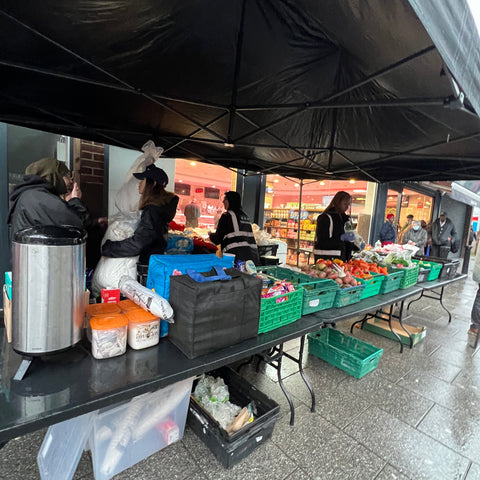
127	197
109	270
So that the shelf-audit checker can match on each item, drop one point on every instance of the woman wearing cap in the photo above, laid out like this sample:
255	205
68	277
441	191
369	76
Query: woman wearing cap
416	236
158	209
388	233
234	231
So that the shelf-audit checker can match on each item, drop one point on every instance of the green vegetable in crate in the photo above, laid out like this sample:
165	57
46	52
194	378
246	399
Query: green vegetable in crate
400	261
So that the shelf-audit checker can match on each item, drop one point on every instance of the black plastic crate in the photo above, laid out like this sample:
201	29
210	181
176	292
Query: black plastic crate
230	449
449	268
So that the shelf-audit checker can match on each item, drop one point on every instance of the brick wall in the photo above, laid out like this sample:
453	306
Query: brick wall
91	162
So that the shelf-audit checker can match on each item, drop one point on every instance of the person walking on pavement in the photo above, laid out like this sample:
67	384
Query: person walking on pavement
443	234
388	234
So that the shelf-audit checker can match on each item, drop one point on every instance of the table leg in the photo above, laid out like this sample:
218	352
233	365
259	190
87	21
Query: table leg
302	373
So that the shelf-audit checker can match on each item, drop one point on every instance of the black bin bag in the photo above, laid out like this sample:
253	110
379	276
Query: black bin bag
210	315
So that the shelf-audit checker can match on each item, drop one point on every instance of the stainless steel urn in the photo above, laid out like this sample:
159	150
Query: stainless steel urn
48	288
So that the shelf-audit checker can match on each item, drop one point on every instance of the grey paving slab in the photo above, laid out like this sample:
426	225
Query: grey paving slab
390	473
378	390
451	396
413	453
473	472
458	430
324	451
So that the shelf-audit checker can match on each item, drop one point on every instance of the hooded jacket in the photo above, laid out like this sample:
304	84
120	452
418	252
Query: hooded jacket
151	235
36	202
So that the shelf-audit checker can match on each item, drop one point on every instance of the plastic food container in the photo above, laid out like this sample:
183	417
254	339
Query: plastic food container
109	335
127	305
143	329
95	309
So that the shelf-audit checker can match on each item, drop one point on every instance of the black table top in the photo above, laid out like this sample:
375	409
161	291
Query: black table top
65	385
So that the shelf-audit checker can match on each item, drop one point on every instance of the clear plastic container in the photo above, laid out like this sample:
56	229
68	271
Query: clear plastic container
143	329
127	305
126	434
109	335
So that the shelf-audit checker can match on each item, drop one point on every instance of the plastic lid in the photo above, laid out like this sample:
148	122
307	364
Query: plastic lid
108	322
51	235
127	305
102	309
140	316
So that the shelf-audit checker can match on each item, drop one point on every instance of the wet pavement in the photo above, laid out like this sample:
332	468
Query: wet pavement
416	416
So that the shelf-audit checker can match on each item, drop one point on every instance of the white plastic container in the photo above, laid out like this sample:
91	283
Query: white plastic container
143	329
126	434
109	335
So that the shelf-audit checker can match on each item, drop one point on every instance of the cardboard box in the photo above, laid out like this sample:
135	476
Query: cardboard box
380	327
7	313
110	295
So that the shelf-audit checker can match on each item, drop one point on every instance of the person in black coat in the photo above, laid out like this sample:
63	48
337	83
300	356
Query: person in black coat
38	200
234	231
158	209
331	240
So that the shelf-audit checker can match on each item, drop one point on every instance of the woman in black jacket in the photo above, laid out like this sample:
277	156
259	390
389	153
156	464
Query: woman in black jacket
234	231
158	209
331	241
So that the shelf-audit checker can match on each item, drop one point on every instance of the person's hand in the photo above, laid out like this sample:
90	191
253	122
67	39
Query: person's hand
362	246
347	237
75	193
103	222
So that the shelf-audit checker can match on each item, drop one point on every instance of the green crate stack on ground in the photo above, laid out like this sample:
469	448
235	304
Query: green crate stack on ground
281	310
435	269
372	285
350	354
391	282
348	296
319	294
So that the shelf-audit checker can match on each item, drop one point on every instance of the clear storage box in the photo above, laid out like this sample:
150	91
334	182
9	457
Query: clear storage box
126	434
109	335
143	329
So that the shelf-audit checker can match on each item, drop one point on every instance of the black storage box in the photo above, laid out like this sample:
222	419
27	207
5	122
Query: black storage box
230	449
449	268
212	315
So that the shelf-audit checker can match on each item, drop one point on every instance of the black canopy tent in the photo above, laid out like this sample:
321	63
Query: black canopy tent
306	88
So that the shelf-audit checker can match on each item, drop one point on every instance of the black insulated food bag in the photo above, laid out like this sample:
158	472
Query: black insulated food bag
210	315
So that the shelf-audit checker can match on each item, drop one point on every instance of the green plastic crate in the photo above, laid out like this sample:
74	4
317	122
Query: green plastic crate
410	276
391	282
372	285
350	354
435	269
278	311
319	294
347	296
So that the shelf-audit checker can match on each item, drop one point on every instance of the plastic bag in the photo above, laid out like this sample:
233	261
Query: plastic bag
127	197
146	298
109	271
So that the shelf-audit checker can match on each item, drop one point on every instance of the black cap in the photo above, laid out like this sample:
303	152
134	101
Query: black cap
443	214
154	173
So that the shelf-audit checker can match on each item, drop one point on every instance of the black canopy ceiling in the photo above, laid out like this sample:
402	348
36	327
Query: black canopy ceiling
306	88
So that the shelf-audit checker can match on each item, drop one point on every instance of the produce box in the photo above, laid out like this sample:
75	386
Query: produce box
423	274
350	354
372	285
230	449
449	266
380	327
348	296
410	276
319	294
391	282
281	310
435	269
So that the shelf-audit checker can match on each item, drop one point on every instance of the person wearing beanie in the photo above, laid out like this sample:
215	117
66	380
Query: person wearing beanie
158	208
443	236
234	231
388	233
39	199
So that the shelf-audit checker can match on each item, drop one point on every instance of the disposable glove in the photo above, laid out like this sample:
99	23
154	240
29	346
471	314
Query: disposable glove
347	237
